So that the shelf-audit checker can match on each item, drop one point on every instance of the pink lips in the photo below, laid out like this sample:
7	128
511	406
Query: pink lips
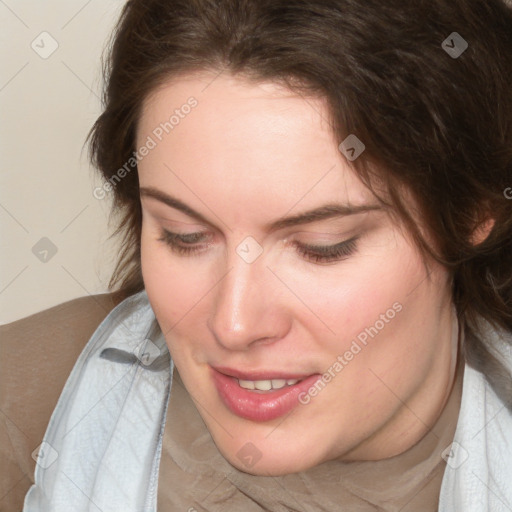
259	406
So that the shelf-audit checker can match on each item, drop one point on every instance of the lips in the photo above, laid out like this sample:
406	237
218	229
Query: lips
260	404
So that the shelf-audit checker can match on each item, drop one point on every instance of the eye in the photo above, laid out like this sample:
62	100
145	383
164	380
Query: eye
327	253
185	244
192	243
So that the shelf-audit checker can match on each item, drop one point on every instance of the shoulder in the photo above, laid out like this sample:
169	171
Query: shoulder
37	354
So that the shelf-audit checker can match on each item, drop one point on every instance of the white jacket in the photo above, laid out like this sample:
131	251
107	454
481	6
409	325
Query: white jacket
102	447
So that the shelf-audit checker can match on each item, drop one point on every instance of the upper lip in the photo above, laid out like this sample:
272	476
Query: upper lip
260	374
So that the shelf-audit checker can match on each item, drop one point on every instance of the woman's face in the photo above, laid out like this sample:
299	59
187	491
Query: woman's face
268	262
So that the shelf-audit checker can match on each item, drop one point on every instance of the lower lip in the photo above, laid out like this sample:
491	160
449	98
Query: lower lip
260	406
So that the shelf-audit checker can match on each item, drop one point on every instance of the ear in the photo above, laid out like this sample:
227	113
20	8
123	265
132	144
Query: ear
482	231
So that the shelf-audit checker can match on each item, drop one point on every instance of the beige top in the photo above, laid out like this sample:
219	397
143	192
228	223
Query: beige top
37	354
195	476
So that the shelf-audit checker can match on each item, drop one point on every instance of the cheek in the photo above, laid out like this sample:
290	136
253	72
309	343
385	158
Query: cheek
395	335
168	291
176	287
360	297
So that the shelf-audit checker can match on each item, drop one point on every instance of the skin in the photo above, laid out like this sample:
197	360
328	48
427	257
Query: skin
247	155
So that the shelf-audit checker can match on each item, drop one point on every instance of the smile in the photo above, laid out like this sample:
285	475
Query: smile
260	399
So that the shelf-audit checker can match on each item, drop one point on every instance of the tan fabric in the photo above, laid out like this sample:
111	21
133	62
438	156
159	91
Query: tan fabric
194	476
37	354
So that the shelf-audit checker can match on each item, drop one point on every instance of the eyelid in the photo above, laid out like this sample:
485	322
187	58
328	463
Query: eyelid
196	236
321	246
323	239
200	235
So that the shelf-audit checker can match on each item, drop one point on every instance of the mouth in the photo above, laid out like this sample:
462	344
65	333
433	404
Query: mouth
260	396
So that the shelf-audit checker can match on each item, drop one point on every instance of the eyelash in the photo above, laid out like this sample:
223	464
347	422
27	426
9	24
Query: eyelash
327	253
314	253
173	240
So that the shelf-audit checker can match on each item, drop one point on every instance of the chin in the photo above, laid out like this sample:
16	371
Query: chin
246	457
270	467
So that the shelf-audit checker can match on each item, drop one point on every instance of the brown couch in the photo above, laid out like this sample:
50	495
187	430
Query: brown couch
37	354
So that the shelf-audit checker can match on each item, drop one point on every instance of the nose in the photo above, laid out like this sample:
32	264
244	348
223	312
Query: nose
248	309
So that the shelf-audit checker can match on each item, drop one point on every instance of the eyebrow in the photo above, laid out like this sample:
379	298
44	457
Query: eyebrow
326	211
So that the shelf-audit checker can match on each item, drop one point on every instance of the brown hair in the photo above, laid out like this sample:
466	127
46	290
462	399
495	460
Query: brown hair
433	123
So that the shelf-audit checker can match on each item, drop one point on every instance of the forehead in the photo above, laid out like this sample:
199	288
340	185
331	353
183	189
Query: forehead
246	138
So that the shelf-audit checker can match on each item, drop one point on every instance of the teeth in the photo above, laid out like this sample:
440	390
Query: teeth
246	384
278	383
267	385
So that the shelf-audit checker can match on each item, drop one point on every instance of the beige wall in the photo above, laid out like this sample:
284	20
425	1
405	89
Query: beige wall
47	105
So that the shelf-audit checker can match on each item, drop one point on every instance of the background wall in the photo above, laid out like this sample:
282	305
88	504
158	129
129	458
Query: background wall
53	232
